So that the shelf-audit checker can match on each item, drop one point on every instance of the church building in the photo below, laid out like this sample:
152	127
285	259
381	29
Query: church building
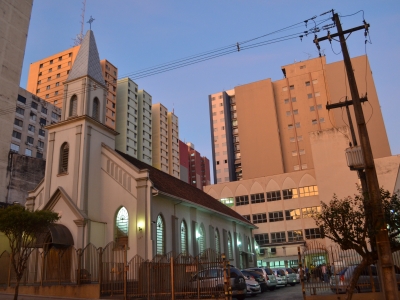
103	195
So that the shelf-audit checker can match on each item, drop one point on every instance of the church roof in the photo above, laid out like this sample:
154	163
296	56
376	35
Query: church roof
87	62
175	187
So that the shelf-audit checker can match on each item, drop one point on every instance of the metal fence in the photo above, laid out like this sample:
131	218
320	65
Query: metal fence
327	270
163	277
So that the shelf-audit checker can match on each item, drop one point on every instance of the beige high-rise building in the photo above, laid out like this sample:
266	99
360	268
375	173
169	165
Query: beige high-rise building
46	79
262	128
14	23
165	140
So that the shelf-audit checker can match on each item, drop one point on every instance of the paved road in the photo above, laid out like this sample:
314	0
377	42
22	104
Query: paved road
286	293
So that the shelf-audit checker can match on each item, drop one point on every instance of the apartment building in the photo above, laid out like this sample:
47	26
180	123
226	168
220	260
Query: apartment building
194	168
165	132
262	128
46	79
282	205
32	114
145	127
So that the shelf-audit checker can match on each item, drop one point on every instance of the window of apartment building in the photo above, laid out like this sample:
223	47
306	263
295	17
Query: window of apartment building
34	105
51	61
40	73
294	99
314	121
225	161
295	235
292	214
290	126
308	83
59	67
292	139
315	81
60	58
242	200
317	94
261	238
289	194
286	101
292	87
313	233
41	66
39	82
18	122
295	111
31	128
296	167
259	218
42	132
309	96
69	63
40	144
319	106
297	124
302	151
273	196
48	87
68	72
39	154
58	75
55	93
38	90
57	83
288	113
16	134
312	108
247	217
44	110
14	148
275	216
47	96
284	88
29	140
42	121
256	198
28	152
306	191
50	70
278	237
294	153
309	212
299	137
322	120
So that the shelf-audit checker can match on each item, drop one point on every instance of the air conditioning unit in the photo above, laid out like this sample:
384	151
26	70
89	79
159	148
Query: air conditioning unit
272	250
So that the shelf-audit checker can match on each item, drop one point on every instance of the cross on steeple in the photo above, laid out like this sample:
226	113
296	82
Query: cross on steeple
90	22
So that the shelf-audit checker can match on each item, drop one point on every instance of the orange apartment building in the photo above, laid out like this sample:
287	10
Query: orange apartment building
46	78
262	128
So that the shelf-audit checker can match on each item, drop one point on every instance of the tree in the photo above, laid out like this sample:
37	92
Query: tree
22	227
348	222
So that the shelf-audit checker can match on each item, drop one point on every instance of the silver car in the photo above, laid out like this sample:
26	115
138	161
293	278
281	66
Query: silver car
281	278
269	276
291	276
253	288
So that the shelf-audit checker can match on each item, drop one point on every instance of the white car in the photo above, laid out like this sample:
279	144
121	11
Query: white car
253	288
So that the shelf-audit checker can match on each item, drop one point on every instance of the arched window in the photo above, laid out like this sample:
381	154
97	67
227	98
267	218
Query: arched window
160	242
64	152
121	227
96	109
230	250
217	242
73	106
184	240
201	240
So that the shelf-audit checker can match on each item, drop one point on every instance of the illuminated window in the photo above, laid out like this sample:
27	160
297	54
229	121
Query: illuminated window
295	235
201	240
309	212
184	240
230	246
289	193
306	191
292	214
160	242
121	227
228	201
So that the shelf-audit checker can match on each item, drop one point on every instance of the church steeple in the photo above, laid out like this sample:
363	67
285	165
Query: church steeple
85	90
87	62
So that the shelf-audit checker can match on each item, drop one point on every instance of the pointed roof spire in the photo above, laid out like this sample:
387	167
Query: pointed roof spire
87	62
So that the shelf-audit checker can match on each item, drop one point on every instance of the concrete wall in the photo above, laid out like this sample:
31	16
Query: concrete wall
26	173
14	23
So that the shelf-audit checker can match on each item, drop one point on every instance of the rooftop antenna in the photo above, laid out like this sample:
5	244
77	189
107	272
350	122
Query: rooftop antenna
79	37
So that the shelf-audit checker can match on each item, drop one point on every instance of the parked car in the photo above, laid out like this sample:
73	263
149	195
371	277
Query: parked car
340	281
291	276
212	279
269	276
253	288
281	278
258	277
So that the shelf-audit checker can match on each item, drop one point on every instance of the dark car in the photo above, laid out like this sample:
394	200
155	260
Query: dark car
256	276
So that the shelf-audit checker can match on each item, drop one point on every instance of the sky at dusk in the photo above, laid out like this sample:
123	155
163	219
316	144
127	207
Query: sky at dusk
138	34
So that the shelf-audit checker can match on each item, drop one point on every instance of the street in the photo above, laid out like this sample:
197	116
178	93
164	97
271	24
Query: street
289	293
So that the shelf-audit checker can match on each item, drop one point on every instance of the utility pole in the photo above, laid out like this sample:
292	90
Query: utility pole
388	278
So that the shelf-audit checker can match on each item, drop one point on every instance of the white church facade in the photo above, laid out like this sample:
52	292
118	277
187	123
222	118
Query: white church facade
103	195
